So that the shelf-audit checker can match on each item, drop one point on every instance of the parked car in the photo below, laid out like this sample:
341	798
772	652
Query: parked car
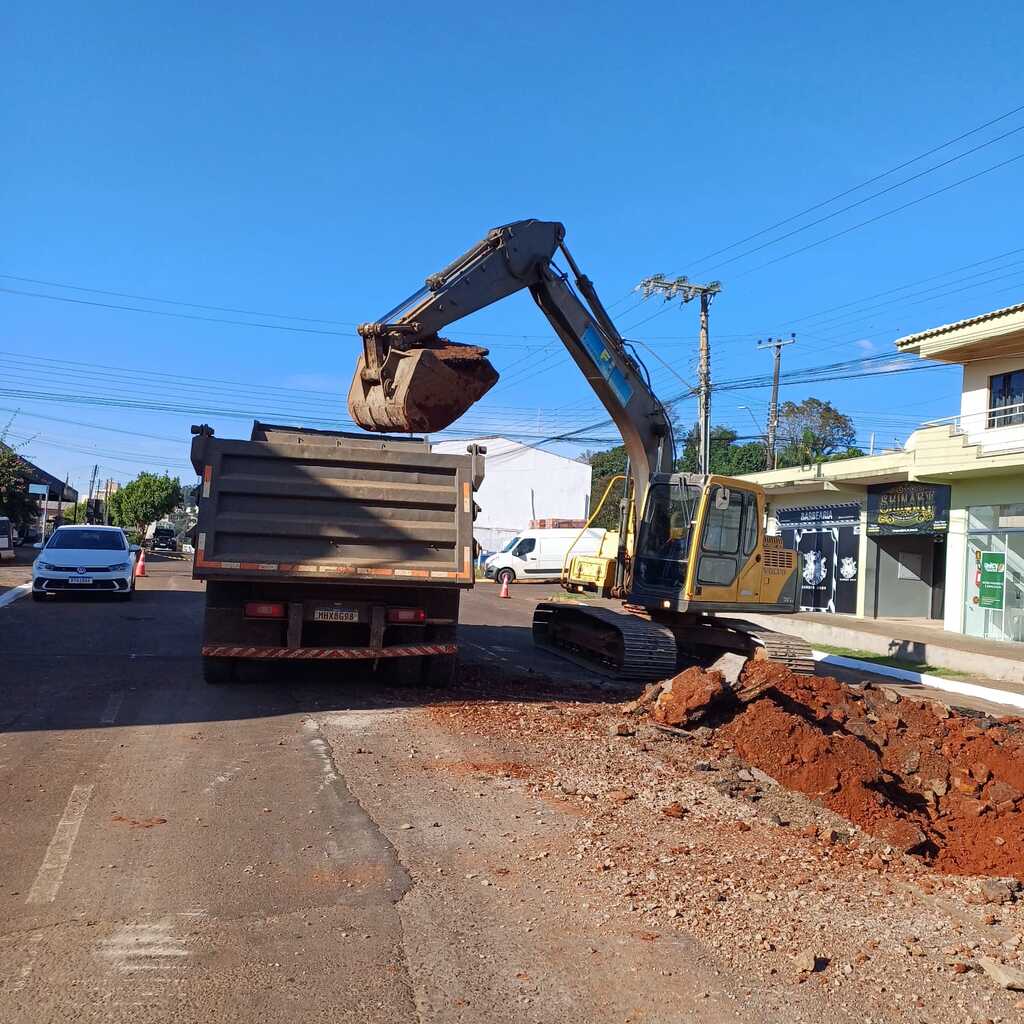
85	558
539	554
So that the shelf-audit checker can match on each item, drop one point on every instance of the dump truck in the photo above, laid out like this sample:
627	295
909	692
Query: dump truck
326	545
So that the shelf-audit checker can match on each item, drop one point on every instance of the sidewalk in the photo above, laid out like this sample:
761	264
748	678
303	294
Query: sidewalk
915	641
17	570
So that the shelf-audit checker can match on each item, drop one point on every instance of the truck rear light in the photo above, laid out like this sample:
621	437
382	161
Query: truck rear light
265	610
407	615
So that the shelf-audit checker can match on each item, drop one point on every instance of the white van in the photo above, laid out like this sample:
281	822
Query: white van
539	554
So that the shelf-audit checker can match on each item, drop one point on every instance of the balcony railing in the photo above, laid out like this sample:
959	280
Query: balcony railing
986	419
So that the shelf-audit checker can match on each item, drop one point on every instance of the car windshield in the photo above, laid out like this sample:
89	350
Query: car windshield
87	540
510	545
165	531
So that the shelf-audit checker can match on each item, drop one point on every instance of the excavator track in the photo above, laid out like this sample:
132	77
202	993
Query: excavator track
792	651
613	644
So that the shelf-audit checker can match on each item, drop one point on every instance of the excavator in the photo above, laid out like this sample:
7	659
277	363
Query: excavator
698	552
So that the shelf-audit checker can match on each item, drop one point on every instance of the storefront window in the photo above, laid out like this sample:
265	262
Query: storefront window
994	592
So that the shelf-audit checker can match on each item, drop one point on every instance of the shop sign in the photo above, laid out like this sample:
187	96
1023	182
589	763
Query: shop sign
991	576
846	514
908	508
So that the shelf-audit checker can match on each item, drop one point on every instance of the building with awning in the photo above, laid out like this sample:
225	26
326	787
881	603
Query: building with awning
934	530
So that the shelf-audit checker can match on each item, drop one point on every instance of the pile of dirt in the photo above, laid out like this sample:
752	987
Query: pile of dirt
941	785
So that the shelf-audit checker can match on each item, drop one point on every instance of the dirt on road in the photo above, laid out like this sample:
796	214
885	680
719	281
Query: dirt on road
653	837
946	786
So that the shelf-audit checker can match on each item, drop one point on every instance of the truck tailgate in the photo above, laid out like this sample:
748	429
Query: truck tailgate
296	502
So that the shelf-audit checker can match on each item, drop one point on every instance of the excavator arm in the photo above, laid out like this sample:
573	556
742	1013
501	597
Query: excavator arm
409	379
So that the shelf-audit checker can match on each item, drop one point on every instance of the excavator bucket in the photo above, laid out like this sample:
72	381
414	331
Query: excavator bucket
422	389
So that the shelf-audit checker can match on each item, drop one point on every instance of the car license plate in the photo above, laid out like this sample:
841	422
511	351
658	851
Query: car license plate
79	579
335	615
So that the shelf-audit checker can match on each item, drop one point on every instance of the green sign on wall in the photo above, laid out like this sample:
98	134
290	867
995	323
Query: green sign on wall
990	580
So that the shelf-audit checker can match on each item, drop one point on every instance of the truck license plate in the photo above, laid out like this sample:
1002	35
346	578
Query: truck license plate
335	615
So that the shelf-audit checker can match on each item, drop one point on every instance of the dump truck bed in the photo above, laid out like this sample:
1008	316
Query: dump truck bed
294	503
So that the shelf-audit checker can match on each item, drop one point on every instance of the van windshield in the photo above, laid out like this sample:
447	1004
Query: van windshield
510	545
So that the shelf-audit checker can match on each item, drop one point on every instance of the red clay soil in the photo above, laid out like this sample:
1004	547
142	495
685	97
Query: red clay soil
947	787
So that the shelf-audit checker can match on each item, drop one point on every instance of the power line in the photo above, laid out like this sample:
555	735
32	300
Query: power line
858	187
866	199
179	316
887	213
173	302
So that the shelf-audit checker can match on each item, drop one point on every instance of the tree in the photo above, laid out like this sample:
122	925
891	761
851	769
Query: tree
604	466
15	502
813	431
77	514
146	499
727	457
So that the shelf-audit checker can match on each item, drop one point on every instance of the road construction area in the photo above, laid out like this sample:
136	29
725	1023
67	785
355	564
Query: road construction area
533	844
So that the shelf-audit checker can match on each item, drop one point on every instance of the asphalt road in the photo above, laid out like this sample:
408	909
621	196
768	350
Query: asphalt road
171	851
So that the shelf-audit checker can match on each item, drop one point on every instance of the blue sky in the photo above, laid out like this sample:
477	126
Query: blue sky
320	160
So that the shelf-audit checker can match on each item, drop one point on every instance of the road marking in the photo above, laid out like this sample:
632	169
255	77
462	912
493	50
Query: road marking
12	595
151	946
219	780
58	853
486	653
26	970
112	708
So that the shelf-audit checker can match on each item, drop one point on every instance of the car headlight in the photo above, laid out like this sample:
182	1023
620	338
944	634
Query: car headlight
120	567
48	566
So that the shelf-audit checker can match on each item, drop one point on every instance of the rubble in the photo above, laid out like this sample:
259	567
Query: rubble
1005	976
700	847
947	787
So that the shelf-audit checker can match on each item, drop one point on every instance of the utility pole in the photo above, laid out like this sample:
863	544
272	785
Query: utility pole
685	289
773	409
88	501
60	500
106	502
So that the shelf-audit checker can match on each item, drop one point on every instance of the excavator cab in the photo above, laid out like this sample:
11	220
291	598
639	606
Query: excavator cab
702	547
663	543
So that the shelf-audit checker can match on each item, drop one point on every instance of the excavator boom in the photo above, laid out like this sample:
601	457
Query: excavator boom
411	379
688	564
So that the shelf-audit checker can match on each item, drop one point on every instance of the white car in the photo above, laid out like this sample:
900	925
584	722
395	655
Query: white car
90	559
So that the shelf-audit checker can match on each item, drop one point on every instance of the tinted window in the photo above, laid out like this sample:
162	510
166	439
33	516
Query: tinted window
525	547
750	523
665	535
1006	399
722	528
87	540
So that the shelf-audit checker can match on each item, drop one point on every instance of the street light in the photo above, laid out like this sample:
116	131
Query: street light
757	426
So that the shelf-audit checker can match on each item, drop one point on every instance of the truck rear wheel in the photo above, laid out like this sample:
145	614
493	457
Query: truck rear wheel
438	671
218	671
405	671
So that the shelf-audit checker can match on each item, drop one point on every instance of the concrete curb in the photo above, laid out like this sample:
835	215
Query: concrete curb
965	689
12	595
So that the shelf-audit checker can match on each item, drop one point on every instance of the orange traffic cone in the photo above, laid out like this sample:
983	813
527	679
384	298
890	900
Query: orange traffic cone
140	565
504	587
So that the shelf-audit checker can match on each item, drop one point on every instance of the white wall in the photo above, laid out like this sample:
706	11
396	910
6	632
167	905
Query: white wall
974	404
520	484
